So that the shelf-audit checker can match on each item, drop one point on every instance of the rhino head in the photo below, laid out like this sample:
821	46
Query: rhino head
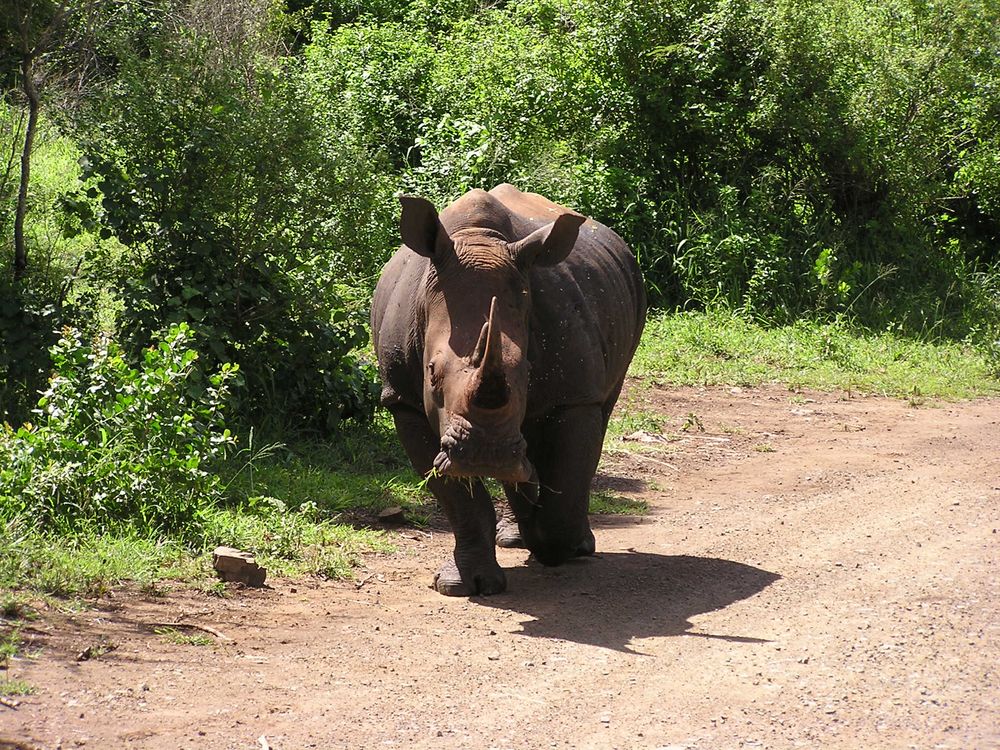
475	312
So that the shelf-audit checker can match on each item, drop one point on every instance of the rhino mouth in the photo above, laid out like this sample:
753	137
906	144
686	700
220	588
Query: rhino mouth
470	451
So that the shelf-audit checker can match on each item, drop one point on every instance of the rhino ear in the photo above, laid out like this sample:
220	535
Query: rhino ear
549	245
419	225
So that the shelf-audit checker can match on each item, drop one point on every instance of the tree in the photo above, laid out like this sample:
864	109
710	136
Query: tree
31	28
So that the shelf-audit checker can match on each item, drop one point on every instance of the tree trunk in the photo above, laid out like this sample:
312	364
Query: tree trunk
20	249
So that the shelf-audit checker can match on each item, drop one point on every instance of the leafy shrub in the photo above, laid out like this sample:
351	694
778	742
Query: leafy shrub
25	331
117	447
234	208
782	159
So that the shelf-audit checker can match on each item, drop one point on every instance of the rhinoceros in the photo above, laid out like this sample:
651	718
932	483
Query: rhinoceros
503	328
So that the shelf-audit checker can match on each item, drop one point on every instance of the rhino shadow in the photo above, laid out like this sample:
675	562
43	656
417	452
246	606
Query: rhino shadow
613	597
615	483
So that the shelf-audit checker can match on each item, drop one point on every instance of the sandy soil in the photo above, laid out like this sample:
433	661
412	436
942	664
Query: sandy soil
816	571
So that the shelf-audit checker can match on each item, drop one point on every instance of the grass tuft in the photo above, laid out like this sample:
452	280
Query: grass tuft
16	608
173	635
296	542
15	687
86	564
10	644
609	504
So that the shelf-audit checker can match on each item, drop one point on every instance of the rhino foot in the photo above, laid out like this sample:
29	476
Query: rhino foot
588	546
556	552
450	582
508	534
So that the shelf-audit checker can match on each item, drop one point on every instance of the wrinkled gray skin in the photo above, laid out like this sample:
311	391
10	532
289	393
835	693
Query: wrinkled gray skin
503	329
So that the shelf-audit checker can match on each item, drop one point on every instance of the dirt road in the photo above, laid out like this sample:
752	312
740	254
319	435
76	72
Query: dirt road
815	571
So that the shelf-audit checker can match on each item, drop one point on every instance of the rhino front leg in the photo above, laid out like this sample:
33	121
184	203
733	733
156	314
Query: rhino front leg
469	508
474	568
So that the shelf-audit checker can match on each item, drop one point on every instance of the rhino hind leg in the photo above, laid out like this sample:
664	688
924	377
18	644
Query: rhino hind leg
508	531
469	508
565	448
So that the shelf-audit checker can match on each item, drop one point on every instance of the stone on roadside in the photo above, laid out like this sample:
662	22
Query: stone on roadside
393	514
236	566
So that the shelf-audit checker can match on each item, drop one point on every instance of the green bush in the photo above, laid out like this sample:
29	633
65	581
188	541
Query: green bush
781	159
234	208
51	294
116	447
26	323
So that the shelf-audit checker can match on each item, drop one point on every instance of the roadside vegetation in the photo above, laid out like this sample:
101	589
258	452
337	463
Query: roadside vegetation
720	348
196	199
311	507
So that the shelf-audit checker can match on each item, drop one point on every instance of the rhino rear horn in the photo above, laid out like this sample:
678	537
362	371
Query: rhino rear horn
480	351
419	226
549	245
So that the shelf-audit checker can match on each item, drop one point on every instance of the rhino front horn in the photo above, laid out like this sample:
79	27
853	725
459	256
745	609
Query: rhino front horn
491	388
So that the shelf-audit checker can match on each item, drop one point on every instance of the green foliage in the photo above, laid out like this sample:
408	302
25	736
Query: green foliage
83	564
781	159
222	190
360	473
26	324
290	540
16	608
25	25
175	636
49	296
366	87
88	564
9	645
723	349
633	418
128	469
119	448
9	687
